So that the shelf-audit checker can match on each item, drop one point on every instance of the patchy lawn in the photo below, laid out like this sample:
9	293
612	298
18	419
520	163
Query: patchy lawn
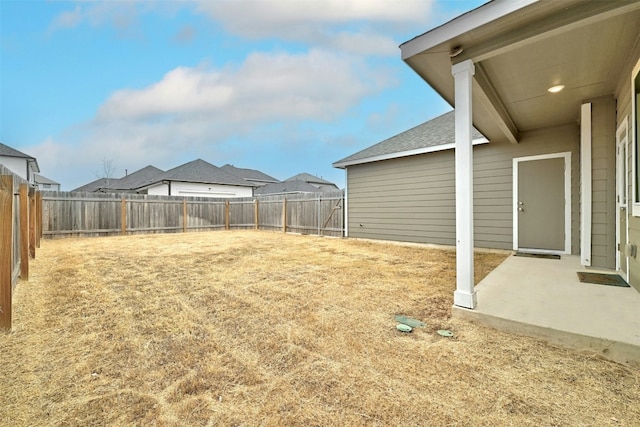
262	328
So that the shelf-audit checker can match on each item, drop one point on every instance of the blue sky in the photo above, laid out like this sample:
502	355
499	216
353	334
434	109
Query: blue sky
282	86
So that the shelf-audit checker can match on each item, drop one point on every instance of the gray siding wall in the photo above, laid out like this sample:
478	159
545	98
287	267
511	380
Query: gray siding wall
603	190
624	111
412	199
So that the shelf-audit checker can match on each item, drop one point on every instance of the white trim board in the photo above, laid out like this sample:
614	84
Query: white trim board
567	196
622	189
585	185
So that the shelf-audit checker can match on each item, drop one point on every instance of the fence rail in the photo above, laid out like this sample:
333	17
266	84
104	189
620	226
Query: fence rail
66	214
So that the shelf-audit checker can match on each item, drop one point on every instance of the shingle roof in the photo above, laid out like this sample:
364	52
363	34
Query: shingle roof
248	174
39	179
307	177
433	133
95	185
295	186
201	172
137	179
7	151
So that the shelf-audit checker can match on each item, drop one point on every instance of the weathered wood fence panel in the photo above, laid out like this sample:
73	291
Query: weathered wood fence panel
93	214
19	221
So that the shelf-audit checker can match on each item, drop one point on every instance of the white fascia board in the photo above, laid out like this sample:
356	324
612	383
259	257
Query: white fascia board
397	155
462	24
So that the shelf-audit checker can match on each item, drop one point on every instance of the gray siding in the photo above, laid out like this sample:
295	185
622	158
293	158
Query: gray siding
413	198
603	190
624	111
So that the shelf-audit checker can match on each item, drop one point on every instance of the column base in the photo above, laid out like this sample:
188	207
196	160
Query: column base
465	299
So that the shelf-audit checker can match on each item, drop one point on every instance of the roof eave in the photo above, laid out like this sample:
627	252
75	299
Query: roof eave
476	18
400	154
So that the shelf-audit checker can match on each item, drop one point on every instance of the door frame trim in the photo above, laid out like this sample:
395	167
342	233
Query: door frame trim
567	198
622	138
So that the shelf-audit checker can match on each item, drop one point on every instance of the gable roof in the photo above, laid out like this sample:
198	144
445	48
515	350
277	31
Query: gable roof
251	175
201	172
307	177
293	186
434	135
137	179
94	186
39	179
6	151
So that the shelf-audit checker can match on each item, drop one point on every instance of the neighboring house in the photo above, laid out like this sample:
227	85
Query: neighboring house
21	164
99	185
198	179
286	187
403	187
46	184
321	184
555	86
254	177
127	184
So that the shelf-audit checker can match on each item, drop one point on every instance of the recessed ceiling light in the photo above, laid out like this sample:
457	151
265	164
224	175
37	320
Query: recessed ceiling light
556	88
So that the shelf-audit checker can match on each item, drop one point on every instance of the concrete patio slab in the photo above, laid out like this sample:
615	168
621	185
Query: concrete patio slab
544	298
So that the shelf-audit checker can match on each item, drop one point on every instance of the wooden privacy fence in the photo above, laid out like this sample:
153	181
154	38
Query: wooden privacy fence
66	214
20	211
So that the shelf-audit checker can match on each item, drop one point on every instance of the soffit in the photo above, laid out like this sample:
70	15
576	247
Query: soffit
587	57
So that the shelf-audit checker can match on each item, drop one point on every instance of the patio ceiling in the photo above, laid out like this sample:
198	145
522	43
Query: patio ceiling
520	48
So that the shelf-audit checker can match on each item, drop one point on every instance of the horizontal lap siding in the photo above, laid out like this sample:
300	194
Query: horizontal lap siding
413	198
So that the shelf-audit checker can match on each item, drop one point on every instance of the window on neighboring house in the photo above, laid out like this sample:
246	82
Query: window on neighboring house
46	185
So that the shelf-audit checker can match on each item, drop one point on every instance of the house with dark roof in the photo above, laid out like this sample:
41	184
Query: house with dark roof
198	179
127	184
402	188
321	184
253	176
23	165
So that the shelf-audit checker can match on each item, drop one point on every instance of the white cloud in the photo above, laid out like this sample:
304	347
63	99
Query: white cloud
281	86
357	26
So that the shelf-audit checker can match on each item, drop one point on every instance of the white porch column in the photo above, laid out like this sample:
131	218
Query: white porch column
465	294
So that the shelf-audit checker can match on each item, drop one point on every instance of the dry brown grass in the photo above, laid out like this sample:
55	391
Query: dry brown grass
258	328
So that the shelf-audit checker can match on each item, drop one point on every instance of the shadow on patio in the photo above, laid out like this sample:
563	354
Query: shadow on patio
543	298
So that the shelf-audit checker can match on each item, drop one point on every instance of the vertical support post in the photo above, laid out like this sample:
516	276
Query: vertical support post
123	216
24	231
256	212
185	218
38	218
6	245
586	208
465	294
284	215
32	223
319	213
226	214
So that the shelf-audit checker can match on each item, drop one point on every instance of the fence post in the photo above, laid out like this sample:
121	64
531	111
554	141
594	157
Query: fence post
184	215
284	215
256	212
123	216
24	231
32	223
226	214
38	218
6	245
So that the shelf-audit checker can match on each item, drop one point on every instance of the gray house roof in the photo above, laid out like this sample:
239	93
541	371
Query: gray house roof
6	151
311	179
433	135
94	186
39	179
137	179
251	175
201	172
294	186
